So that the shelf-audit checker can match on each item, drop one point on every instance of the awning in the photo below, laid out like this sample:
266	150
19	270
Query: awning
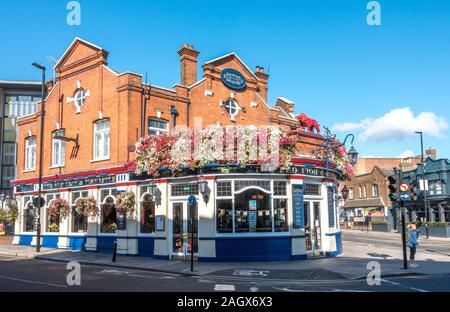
364	203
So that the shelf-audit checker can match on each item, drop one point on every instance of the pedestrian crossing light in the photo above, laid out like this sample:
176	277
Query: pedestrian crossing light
393	188
413	191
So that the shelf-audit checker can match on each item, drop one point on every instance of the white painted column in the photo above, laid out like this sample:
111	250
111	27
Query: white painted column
18	224
207	222
93	224
298	243
162	243
64	226
127	243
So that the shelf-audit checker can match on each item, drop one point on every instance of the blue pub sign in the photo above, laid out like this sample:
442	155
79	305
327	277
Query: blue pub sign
297	202
233	79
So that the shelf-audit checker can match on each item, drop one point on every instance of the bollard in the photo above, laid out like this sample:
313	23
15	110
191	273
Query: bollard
114	252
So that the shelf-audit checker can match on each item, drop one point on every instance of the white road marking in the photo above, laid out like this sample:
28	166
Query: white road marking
32	282
221	287
404	286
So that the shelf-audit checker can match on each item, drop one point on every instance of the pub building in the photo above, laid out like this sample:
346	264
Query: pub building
94	117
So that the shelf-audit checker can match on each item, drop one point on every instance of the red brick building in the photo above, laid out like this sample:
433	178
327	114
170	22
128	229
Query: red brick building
104	113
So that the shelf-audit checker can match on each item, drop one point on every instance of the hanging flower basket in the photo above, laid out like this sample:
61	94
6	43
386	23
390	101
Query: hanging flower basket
87	207
59	207
126	203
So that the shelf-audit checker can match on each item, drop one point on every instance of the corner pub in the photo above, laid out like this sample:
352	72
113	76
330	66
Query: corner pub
93	118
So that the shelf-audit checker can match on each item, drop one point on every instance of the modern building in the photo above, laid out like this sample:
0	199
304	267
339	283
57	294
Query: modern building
17	99
241	213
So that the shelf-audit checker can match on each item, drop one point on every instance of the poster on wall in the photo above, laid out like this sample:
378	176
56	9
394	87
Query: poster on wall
297	204
252	221
252	204
121	222
331	207
160	221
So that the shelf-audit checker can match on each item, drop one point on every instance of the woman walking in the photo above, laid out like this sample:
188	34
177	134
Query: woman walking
412	244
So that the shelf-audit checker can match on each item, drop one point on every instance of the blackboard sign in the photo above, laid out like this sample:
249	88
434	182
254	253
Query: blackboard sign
297	205
121	222
331	221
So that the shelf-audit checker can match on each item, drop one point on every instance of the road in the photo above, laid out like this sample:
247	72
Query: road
39	275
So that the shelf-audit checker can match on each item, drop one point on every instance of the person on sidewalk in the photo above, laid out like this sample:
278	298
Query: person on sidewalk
412	244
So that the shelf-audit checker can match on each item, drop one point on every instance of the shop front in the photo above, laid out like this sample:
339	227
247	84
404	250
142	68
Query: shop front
236	217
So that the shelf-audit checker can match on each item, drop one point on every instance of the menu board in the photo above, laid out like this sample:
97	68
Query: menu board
331	209
297	205
252	217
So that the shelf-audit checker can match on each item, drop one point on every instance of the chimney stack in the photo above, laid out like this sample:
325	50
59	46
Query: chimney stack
188	60
431	152
263	81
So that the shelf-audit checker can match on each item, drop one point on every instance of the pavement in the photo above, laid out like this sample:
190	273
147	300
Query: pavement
362	251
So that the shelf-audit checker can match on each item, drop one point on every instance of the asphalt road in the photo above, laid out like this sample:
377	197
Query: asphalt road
360	237
38	276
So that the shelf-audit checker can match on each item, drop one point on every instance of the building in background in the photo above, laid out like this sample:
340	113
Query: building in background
17	99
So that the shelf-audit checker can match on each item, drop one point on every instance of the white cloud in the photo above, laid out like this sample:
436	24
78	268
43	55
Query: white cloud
407	154
396	124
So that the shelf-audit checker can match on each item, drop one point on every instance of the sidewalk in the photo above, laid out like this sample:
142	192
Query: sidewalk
351	265
396	235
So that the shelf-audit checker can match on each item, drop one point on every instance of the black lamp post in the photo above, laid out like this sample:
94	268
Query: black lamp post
41	148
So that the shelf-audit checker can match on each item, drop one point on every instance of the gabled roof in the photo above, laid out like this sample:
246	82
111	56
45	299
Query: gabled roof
233	54
74	42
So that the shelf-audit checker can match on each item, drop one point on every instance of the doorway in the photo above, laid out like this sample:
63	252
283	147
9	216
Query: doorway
181	228
313	227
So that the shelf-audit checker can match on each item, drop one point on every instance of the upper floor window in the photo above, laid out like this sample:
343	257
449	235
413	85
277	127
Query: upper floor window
58	149
232	107
360	192
364	191
435	187
375	192
101	139
351	193
17	106
30	153
157	126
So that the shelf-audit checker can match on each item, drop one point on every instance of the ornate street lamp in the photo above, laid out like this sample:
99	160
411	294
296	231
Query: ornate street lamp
202	183
352	153
152	188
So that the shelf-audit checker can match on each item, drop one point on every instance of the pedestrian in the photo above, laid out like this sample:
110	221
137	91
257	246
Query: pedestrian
412	244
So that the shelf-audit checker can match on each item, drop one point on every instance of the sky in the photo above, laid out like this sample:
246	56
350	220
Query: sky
379	82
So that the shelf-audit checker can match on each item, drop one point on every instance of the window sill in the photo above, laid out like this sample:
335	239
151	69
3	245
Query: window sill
29	170
57	167
100	159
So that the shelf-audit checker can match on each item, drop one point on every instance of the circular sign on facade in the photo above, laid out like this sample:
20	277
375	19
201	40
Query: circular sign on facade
233	79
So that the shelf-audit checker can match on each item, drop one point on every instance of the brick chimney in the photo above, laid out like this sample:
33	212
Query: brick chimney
263	80
188	60
431	152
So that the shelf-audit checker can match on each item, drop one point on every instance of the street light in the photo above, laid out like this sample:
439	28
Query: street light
152	188
41	148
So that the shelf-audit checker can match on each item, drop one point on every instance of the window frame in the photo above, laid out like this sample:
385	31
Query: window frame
58	160
159	131
30	152
100	144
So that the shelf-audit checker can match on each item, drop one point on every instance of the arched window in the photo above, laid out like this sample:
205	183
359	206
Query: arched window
109	215
375	192
364	191
147	214
52	221
58	149
30	153
360	192
29	218
253	213
351	193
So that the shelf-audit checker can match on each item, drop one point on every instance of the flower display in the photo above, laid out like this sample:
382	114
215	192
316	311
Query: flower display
126	203
87	207
53	228
59	207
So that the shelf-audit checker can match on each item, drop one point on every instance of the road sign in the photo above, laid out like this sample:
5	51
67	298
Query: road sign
404	187
38	202
192	200
404	196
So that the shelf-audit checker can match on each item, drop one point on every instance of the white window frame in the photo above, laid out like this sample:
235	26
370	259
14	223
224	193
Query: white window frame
351	193
58	150
229	105
158	131
98	148
30	154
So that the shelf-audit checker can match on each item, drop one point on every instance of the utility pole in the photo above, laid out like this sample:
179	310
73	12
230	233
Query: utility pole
402	205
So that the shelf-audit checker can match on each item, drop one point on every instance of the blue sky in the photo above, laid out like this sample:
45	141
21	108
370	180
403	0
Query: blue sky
379	82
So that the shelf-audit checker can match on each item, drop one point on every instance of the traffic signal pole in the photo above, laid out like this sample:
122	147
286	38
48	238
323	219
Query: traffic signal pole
402	205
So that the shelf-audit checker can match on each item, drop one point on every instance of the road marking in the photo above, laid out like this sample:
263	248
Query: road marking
404	286
32	282
221	287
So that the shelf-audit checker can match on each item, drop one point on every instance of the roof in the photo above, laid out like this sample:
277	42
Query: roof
286	100
75	41
34	84
238	58
364	203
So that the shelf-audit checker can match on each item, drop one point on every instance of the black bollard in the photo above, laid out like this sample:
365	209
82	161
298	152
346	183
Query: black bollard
114	252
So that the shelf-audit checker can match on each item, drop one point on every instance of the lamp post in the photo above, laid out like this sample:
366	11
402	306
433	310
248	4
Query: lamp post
41	147
424	184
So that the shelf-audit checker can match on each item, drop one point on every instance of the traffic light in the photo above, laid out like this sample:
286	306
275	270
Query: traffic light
393	188
413	191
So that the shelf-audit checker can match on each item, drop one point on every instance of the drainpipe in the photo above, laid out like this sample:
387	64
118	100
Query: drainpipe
174	113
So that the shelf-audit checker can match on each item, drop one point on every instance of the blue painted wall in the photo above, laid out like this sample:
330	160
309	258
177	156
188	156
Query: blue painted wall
77	243
146	246
49	241
25	240
105	244
253	249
